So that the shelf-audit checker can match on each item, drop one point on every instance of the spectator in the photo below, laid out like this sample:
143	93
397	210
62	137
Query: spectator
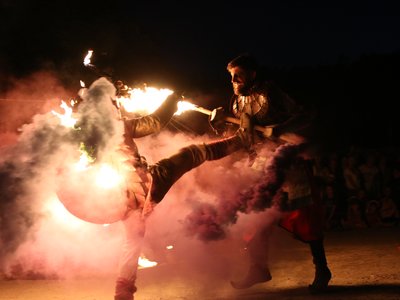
372	213
354	219
352	175
370	175
331	220
395	184
388	210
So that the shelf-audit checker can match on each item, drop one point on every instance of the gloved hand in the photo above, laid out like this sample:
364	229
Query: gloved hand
168	107
175	97
217	120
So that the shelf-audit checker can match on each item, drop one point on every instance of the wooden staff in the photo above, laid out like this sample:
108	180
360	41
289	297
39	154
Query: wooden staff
266	130
291	138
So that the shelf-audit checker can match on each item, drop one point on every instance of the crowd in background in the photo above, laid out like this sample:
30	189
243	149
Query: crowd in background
360	188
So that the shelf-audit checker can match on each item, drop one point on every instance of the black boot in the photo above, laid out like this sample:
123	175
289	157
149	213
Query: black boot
221	148
167	171
322	273
256	274
243	139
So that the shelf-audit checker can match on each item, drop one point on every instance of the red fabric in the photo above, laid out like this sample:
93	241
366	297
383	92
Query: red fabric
306	223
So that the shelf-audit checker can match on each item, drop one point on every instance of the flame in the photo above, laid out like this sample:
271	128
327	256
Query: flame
83	163
84	160
184	106
145	263
66	119
86	60
145	100
108	177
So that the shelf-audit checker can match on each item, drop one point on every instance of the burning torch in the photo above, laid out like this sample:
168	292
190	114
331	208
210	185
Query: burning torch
184	105
291	138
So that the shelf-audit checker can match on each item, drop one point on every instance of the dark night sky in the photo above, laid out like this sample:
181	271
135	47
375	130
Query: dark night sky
336	55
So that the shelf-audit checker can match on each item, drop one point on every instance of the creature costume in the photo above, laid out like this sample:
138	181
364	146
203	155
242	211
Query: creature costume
155	181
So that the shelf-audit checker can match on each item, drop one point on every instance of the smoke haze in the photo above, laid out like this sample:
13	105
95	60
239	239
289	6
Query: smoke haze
41	239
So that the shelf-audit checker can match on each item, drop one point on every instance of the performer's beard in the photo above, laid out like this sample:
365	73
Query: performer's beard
241	89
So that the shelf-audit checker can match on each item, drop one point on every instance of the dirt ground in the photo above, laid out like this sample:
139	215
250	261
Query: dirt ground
365	265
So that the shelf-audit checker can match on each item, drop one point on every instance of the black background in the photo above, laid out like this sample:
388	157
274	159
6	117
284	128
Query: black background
340	57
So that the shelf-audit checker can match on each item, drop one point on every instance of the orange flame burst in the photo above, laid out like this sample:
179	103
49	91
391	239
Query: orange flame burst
144	101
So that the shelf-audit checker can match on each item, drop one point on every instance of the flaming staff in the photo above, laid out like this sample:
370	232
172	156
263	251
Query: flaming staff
146	100
266	130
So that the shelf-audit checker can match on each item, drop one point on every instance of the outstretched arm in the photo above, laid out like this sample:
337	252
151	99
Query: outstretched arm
154	122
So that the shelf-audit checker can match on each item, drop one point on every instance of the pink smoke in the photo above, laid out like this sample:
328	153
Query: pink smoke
210	222
41	239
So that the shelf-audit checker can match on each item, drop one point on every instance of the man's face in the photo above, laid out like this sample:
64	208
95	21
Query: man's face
242	80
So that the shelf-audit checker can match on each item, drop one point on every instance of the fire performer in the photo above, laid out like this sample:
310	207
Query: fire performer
153	182
286	121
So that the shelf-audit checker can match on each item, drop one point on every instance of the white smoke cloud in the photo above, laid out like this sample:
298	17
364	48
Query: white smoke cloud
39	238
33	242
